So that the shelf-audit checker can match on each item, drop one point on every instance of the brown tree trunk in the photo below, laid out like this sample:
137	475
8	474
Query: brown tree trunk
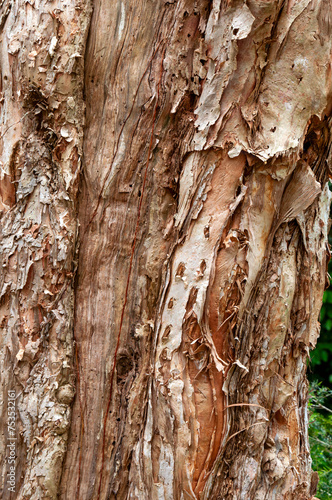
164	219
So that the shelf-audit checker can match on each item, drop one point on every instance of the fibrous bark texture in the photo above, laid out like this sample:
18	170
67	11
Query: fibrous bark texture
164	219
42	48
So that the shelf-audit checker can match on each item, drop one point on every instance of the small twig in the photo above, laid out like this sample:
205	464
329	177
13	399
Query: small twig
245	429
319	405
13	124
228	318
327	445
244	404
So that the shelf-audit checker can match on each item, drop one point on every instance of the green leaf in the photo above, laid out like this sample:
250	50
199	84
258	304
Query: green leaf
328	324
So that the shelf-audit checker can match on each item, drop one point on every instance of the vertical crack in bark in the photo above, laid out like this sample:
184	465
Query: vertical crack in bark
130	266
106	178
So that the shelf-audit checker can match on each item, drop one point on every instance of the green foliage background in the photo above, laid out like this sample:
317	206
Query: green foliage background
320	403
321	357
320	423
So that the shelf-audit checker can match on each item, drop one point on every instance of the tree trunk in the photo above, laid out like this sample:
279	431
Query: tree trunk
164	220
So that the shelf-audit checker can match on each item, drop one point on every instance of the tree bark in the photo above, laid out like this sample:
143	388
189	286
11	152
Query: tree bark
164	220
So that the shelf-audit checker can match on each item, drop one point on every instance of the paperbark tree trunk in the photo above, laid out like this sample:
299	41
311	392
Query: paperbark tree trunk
164	220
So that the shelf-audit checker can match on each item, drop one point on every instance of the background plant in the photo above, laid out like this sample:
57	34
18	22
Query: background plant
320	424
320	403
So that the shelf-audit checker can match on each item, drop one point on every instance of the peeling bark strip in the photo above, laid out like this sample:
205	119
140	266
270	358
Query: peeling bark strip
177	291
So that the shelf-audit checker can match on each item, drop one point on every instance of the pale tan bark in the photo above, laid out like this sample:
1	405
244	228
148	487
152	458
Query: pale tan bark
42	112
202	221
